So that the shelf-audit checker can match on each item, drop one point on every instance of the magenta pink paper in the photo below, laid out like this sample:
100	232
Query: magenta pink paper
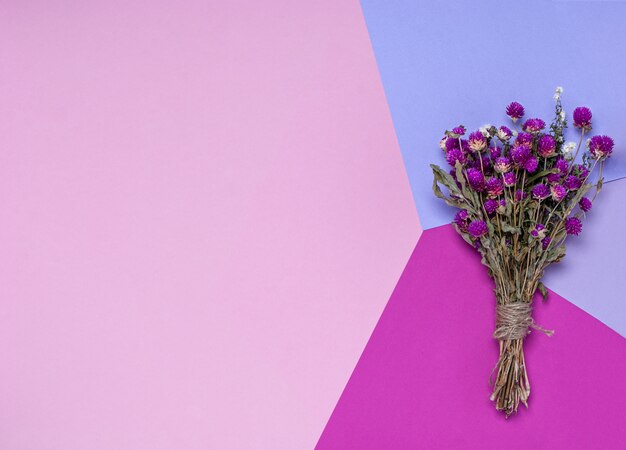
422	381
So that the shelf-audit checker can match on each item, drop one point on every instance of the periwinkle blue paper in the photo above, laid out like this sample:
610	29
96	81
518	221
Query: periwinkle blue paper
448	63
593	273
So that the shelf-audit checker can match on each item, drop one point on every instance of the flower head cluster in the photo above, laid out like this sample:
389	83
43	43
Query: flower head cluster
518	178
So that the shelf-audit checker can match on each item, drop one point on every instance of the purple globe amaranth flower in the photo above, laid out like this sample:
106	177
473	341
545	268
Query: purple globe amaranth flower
495	152
509	179
534	125
601	147
539	231
558	192
531	164
477	141
546	146
460	218
502	164
581	171
494	187
582	118
573	225
553	178
524	139
459	131
515	111
477	228
520	195
491	205
520	154
585	204
562	166
573	183
504	134
545	242
540	191
476	179
455	155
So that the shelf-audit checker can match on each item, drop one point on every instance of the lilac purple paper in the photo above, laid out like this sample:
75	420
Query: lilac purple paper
422	381
592	274
452	62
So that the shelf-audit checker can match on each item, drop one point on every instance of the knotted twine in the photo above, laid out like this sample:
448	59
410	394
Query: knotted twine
513	321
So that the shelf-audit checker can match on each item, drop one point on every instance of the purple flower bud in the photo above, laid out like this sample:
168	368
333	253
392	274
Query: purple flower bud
558	192
540	191
582	118
573	225
573	183
524	139
553	178
495	152
501	206
520	154
509	179
531	164
477	142
581	171
515	111
502	164
539	231
477	228
494	187
476	179
546	146
601	147
585	204
520	195
455	155
534	125
460	130
461	219
545	242
562	166
491	205
504	134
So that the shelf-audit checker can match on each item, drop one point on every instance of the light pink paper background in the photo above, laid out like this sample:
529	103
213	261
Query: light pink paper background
204	213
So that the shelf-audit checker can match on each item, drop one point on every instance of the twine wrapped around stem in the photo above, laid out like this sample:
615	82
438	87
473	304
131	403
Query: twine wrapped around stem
513	323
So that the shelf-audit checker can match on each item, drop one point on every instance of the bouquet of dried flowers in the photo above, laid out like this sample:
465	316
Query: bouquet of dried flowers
520	193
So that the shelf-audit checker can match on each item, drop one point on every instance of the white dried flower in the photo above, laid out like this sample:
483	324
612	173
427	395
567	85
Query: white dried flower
568	150
485	129
557	93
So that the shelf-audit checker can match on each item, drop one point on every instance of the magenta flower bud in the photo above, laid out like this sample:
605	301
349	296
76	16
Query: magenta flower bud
524	139
461	219
455	155
545	242
601	147
477	142
562	166
558	192
582	118
509	179
546	146
515	111
502	164
504	134
531	164
490	206
501	206
573	183
553	178
494	187
520	154
539	231
534	125
477	228
476	179
585	204
540	191
573	225
459	131
520	195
